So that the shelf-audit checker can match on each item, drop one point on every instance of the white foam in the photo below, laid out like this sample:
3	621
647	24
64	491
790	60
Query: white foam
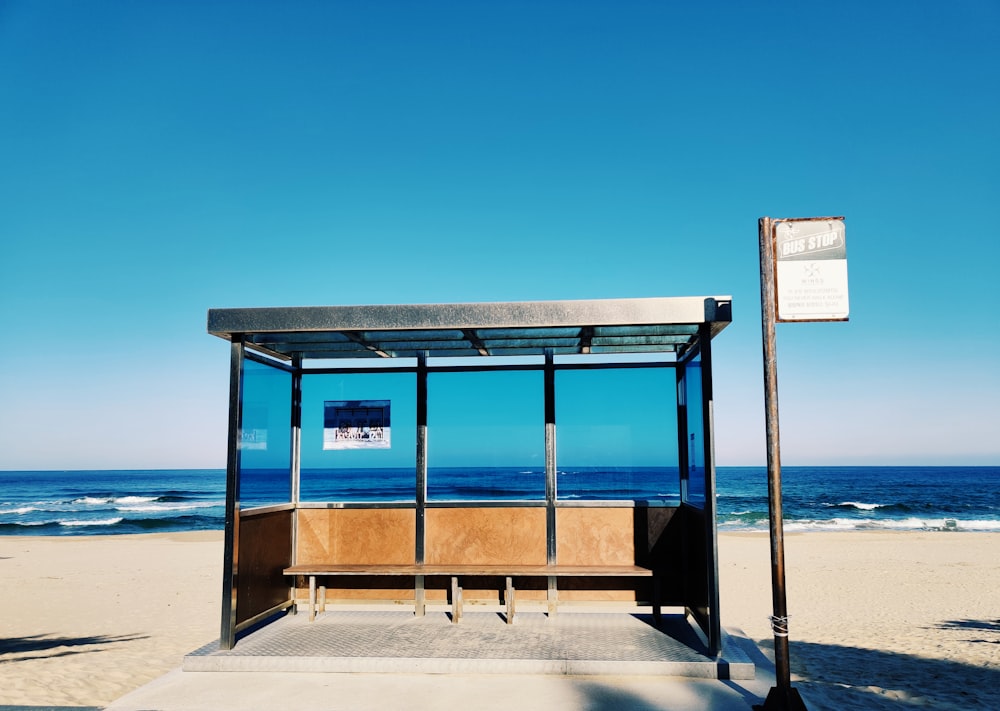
833	524
905	524
97	522
92	501
151	508
909	524
134	499
986	525
862	506
20	510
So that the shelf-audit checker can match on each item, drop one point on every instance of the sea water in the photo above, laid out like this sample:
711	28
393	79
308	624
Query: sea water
814	498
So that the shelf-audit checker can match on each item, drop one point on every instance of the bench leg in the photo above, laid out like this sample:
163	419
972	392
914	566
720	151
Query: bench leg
419	596
510	601
456	600
553	596
322	598
312	598
656	600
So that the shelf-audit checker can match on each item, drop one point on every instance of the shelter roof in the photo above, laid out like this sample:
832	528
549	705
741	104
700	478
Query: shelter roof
605	326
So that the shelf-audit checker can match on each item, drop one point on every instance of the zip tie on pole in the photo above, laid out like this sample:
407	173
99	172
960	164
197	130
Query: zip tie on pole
779	625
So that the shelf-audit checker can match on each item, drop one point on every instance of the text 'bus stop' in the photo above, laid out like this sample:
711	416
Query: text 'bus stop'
559	454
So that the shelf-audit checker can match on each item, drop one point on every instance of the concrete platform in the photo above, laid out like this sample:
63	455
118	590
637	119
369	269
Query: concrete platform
400	643
226	691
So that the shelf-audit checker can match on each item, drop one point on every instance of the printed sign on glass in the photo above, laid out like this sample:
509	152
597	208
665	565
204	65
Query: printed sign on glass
356	424
811	270
254	432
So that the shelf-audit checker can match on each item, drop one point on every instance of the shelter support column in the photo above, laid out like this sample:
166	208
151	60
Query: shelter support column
296	460
296	425
551	480
711	537
227	634
421	483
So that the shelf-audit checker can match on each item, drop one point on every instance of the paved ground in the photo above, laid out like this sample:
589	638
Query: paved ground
499	686
482	643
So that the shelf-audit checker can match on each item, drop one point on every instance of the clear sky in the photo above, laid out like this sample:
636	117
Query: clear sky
158	159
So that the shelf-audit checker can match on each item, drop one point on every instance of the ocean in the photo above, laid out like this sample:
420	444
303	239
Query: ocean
56	503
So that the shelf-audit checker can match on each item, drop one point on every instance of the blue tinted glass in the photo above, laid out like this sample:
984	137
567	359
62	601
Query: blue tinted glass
616	434
265	446
359	437
695	433
486	435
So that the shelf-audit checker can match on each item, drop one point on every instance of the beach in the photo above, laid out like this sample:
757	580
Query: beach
89	618
879	620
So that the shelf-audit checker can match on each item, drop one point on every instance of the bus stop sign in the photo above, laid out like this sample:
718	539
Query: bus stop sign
810	258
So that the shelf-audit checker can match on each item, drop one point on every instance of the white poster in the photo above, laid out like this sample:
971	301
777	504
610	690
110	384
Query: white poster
356	424
811	270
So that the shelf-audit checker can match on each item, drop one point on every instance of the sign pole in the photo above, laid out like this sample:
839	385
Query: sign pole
782	696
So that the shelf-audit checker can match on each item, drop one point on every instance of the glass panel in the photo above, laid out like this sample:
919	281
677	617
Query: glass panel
486	436
695	433
359	435
616	434
265	447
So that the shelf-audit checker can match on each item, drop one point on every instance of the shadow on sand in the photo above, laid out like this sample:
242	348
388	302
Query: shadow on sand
987	631
23	648
855	678
701	694
833	678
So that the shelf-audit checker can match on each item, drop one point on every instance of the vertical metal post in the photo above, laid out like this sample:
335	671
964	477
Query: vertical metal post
551	481
708	456
230	571
683	471
421	492
296	464
421	483
551	478
782	695
296	455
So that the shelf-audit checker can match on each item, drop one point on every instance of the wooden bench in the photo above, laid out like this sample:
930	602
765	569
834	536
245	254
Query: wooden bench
509	572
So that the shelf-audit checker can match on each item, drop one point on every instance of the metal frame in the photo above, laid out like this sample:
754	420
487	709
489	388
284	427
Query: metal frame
708	424
230	572
599	330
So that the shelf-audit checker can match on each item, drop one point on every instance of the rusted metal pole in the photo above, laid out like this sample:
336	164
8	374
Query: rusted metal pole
782	696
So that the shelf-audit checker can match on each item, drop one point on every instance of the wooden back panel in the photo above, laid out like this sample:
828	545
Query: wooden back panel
485	535
595	536
356	536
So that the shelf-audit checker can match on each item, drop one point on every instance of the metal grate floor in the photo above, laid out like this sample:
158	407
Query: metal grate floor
399	642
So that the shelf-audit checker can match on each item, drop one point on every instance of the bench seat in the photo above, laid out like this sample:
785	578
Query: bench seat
314	570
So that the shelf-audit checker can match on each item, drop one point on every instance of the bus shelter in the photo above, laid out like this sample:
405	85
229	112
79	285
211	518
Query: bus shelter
560	441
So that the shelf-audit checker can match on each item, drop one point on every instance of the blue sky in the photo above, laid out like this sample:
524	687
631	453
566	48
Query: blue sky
158	159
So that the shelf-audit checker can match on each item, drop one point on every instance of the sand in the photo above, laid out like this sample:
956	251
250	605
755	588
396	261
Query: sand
878	620
87	619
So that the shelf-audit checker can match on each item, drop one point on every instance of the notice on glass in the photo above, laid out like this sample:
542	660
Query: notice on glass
356	424
811	270
254	432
